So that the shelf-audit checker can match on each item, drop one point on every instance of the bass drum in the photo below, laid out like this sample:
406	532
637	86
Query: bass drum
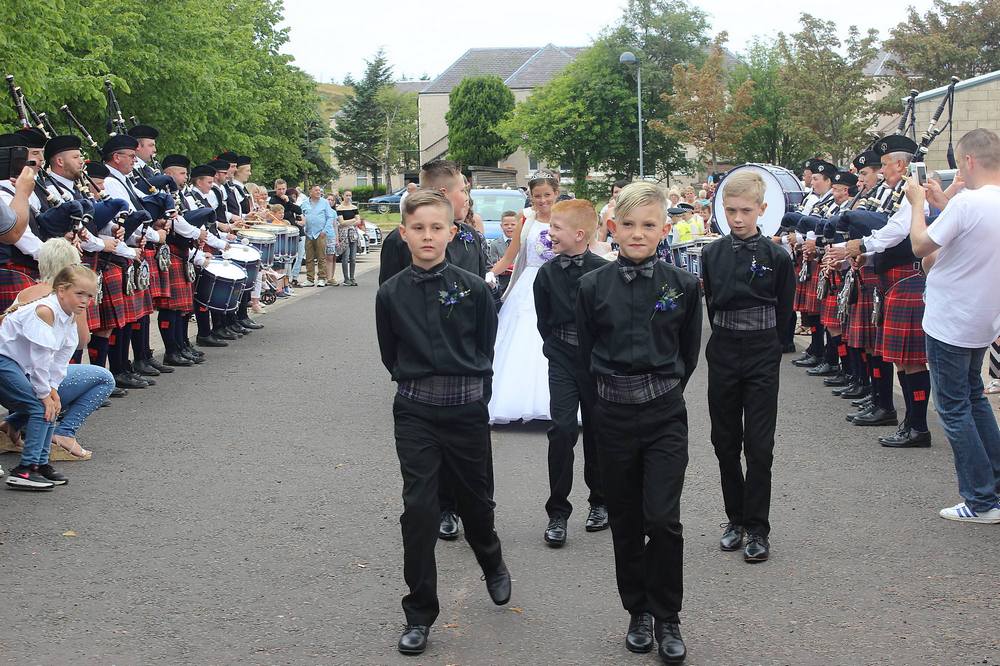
784	194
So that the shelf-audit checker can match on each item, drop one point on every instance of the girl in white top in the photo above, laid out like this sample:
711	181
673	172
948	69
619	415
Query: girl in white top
37	340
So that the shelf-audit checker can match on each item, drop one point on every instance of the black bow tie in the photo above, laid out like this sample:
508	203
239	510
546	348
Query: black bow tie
645	269
750	243
419	276
566	262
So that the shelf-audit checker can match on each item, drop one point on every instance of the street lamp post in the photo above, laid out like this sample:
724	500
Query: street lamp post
628	58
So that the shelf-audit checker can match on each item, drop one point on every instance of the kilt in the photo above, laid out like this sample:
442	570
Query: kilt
11	284
181	295
159	281
29	268
114	306
91	260
901	336
828	307
141	304
805	292
861	331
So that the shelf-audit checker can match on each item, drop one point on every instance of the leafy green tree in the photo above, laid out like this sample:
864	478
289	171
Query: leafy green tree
402	150
360	133
476	107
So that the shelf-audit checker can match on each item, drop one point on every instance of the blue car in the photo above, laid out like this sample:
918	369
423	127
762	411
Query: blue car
386	202
491	205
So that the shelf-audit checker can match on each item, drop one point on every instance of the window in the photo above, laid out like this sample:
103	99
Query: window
532	163
362	179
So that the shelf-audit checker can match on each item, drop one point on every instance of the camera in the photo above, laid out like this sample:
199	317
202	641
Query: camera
13	159
918	170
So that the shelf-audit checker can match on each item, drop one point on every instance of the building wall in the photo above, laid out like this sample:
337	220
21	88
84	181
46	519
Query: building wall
975	107
431	110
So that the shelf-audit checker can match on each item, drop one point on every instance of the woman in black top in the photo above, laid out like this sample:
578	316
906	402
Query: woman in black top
348	213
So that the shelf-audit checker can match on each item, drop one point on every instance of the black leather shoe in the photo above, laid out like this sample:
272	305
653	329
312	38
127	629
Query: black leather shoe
414	639
448	530
757	549
143	369
221	334
234	330
597	519
732	537
126	381
850	385
555	533
839	379
211	341
900	433
672	650
149	380
191	351
877	417
498	584
118	392
177	360
639	638
824	369
194	358
251	324
865	400
911	439
855	391
240	329
165	370
788	349
807	360
863	410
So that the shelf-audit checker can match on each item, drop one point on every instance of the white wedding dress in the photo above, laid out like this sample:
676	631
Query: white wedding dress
520	370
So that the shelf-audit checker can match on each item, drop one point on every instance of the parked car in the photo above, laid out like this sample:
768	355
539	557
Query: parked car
386	202
491	204
370	238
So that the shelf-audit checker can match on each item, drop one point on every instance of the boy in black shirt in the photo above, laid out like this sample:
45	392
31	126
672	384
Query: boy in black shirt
639	326
436	328
572	227
749	288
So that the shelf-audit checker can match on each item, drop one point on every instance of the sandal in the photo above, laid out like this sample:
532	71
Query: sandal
993	387
68	451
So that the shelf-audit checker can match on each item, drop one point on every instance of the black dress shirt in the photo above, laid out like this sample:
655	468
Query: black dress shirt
419	336
726	274
622	333
556	288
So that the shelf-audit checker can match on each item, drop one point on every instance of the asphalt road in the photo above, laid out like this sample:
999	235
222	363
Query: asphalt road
246	511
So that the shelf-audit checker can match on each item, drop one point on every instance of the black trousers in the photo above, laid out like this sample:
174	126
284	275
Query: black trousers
571	389
743	368
643	451
431	441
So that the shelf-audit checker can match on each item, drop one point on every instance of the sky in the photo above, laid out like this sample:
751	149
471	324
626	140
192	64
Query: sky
332	39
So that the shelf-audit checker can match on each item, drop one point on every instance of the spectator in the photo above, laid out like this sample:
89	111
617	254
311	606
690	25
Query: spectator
962	315
333	248
350	238
319	219
286	198
674	196
496	247
411	187
608	212
688	194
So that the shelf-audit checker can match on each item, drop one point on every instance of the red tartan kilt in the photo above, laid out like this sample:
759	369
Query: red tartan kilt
861	332
142	304
114	306
159	281
902	337
29	269
805	292
11	284
828	308
181	296
90	260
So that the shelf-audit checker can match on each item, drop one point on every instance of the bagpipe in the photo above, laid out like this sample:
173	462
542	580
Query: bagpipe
115	125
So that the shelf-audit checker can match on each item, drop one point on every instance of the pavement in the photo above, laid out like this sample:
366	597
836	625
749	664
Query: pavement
246	512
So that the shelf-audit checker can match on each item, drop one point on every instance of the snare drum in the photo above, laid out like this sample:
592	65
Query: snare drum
292	239
263	241
220	286
247	258
784	194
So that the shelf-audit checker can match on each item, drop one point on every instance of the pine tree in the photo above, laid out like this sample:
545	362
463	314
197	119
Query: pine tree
476	107
360	133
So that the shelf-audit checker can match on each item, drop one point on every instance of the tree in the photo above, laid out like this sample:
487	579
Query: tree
401	129
831	109
706	114
960	39
360	133
476	107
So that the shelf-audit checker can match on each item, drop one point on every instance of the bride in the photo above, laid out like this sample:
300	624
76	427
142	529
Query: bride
521	372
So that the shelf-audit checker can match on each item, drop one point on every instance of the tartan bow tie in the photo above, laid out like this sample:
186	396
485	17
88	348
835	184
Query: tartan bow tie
566	262
645	269
750	243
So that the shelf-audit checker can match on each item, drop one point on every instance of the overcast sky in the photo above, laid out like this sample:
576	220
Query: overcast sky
332	39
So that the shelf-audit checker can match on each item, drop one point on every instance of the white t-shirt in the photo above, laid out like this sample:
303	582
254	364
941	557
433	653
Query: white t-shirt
962	297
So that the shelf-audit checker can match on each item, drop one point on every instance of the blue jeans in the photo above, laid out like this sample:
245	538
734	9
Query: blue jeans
348	260
19	398
967	420
82	392
297	264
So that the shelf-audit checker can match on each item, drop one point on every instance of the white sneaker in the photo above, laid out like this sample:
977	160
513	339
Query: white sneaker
962	513
305	283
321	283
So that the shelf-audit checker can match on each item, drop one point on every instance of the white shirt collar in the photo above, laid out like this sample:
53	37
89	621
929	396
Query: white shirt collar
62	180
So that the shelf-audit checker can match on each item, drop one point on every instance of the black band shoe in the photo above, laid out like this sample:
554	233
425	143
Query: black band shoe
555	533
863	410
732	537
807	360
448	529
251	324
118	392
211	341
221	334
672	650
144	369
191	351
178	360
855	392
194	358
126	381
159	366
911	439
839	379
414	639
597	518
757	548
498	583
877	417
639	638
824	369
148	380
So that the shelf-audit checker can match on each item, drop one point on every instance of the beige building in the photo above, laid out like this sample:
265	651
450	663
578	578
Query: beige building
977	104
522	70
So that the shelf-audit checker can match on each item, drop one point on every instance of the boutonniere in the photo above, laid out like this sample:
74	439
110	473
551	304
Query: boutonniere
544	246
757	270
466	237
667	301
450	298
